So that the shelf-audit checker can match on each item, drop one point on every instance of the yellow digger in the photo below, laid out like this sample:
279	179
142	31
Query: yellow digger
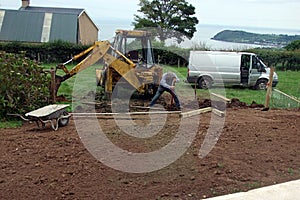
129	58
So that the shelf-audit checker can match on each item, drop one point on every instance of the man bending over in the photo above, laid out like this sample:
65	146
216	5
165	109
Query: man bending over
167	83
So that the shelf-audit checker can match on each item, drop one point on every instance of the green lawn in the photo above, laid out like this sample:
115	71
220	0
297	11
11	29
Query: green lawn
82	79
288	83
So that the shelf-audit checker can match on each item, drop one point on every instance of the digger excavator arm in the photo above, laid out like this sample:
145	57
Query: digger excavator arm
96	52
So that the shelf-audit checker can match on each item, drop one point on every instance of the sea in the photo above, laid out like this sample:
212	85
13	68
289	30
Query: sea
202	38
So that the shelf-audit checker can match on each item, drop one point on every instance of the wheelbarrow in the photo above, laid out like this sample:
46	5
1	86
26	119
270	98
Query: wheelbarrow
54	114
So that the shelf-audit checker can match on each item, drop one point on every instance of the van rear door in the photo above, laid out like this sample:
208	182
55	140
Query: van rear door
245	68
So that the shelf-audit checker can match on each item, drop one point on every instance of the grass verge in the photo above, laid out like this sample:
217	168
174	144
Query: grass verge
10	124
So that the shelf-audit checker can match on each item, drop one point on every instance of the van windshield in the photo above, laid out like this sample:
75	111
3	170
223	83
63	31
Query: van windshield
258	63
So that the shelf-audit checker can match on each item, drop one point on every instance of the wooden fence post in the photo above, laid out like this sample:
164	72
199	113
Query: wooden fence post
269	90
53	86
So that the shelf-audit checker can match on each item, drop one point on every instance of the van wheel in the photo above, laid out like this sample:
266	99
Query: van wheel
261	84
205	83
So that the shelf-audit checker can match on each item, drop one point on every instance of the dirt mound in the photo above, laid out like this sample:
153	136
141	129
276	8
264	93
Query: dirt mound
105	106
221	105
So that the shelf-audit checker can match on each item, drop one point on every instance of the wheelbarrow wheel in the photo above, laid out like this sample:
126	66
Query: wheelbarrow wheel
64	119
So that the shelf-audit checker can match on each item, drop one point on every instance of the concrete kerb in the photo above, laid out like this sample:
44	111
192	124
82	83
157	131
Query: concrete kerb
284	191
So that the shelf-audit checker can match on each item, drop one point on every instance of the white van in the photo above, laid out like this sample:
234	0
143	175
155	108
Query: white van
207	68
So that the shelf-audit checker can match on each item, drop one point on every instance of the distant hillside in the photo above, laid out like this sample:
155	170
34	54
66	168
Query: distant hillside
254	38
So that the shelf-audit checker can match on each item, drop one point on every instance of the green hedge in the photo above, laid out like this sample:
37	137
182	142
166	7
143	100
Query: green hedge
59	51
280	59
52	52
169	56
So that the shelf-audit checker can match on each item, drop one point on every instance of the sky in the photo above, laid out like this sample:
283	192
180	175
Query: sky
282	14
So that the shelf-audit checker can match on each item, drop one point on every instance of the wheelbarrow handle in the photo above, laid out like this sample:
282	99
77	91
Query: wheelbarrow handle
17	115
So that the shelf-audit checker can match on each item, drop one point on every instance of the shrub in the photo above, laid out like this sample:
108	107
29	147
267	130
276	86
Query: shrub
24	86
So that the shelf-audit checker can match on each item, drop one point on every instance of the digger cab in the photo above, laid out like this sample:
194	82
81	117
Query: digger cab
132	64
135	45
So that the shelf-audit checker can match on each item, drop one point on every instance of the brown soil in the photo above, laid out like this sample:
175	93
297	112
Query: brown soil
255	149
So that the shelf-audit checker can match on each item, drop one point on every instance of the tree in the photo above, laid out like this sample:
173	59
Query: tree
295	45
171	18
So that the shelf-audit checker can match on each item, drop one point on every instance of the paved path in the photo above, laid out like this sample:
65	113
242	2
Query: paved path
284	191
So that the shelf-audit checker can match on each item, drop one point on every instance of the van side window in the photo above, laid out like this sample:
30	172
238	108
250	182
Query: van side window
255	63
